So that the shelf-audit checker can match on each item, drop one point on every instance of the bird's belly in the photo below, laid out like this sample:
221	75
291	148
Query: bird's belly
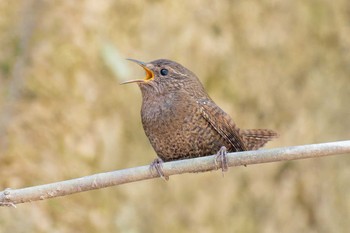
179	136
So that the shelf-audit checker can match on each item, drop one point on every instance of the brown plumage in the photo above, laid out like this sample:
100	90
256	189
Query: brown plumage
182	121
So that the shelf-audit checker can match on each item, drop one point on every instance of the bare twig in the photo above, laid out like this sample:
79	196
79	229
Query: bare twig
10	197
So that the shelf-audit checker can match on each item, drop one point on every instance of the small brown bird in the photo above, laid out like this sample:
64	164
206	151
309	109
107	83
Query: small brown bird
181	120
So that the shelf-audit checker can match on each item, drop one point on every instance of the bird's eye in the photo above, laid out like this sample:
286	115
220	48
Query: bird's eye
164	72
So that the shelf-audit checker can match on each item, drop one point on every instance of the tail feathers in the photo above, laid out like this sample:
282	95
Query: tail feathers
256	138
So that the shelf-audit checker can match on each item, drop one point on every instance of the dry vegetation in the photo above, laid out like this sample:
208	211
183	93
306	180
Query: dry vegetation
284	65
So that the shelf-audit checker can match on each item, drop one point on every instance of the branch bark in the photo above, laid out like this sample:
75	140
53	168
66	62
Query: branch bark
11	197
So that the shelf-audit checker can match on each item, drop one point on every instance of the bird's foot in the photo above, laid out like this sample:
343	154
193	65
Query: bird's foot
157	165
221	159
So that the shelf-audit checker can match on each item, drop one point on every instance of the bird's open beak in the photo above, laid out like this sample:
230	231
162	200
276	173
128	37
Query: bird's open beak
149	73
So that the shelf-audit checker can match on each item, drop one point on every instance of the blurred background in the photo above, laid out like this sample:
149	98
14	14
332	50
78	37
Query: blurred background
276	64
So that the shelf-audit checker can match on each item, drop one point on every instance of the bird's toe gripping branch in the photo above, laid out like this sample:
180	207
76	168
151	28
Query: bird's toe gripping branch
157	165
221	159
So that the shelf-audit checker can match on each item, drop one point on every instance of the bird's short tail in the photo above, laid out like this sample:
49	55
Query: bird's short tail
256	138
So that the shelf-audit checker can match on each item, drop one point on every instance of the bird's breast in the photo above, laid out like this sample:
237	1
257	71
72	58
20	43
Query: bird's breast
157	111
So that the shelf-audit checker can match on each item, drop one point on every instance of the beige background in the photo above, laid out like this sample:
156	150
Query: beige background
283	65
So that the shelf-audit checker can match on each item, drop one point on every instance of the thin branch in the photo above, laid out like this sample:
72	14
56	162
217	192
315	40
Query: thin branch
10	197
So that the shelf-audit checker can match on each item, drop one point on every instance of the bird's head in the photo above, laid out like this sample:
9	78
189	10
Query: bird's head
164	76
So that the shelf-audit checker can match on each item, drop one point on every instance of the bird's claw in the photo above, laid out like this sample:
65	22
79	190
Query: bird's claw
221	159
157	165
